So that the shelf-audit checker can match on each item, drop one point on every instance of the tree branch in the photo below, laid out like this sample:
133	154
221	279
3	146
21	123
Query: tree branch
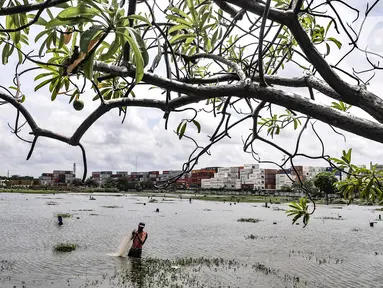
353	95
355	125
218	58
228	9
29	8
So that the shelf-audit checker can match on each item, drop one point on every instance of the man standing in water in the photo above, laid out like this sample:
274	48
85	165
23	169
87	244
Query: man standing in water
139	238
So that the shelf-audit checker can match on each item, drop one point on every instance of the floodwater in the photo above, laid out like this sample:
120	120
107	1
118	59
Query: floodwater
327	253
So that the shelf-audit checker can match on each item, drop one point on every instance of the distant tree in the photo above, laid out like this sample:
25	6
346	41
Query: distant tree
286	188
77	182
124	184
325	181
91	182
308	187
110	183
138	187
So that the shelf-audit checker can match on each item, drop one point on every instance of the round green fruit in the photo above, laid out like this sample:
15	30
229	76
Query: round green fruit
78	105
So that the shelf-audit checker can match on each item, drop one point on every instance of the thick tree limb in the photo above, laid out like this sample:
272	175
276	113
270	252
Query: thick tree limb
228	9
29	8
359	126
218	58
305	81
34	20
353	95
276	15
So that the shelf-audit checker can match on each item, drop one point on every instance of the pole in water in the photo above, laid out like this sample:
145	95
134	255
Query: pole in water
60	220
157	210
380	217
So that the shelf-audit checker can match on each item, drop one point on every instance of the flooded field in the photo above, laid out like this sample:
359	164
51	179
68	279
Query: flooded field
201	244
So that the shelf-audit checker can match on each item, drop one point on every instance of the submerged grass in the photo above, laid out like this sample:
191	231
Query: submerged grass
240	198
112	206
64	215
65	247
254	237
356	229
278	209
249	220
330	218
190	272
51	203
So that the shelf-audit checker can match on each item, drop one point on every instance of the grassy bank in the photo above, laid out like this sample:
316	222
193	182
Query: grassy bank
31	191
240	198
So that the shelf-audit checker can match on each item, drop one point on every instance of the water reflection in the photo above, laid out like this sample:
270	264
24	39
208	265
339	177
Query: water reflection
137	272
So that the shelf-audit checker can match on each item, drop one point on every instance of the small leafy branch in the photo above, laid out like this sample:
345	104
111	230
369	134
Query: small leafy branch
363	182
299	210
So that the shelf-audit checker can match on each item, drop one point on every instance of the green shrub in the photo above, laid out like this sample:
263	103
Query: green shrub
65	247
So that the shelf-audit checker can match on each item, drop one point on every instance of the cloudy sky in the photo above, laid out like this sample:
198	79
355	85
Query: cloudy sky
111	145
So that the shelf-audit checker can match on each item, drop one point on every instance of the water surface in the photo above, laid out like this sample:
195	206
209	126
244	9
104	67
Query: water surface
327	253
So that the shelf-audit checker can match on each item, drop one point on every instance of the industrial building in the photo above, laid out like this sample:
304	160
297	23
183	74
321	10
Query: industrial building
248	177
57	177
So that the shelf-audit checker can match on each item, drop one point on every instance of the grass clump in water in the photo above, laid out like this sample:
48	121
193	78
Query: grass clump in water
379	209
51	203
356	229
153	201
64	215
65	247
250	220
278	209
112	206
330	218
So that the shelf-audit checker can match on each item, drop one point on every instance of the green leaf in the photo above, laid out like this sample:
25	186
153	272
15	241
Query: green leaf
61	41
55	92
45	82
141	45
328	49
140	18
79	11
88	36
158	57
42	75
196	123
179	127
192	10
180	12
113	48
177	28
88	67
336	42
181	37
4	55
139	60
73	21
295	124
182	132
179	20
